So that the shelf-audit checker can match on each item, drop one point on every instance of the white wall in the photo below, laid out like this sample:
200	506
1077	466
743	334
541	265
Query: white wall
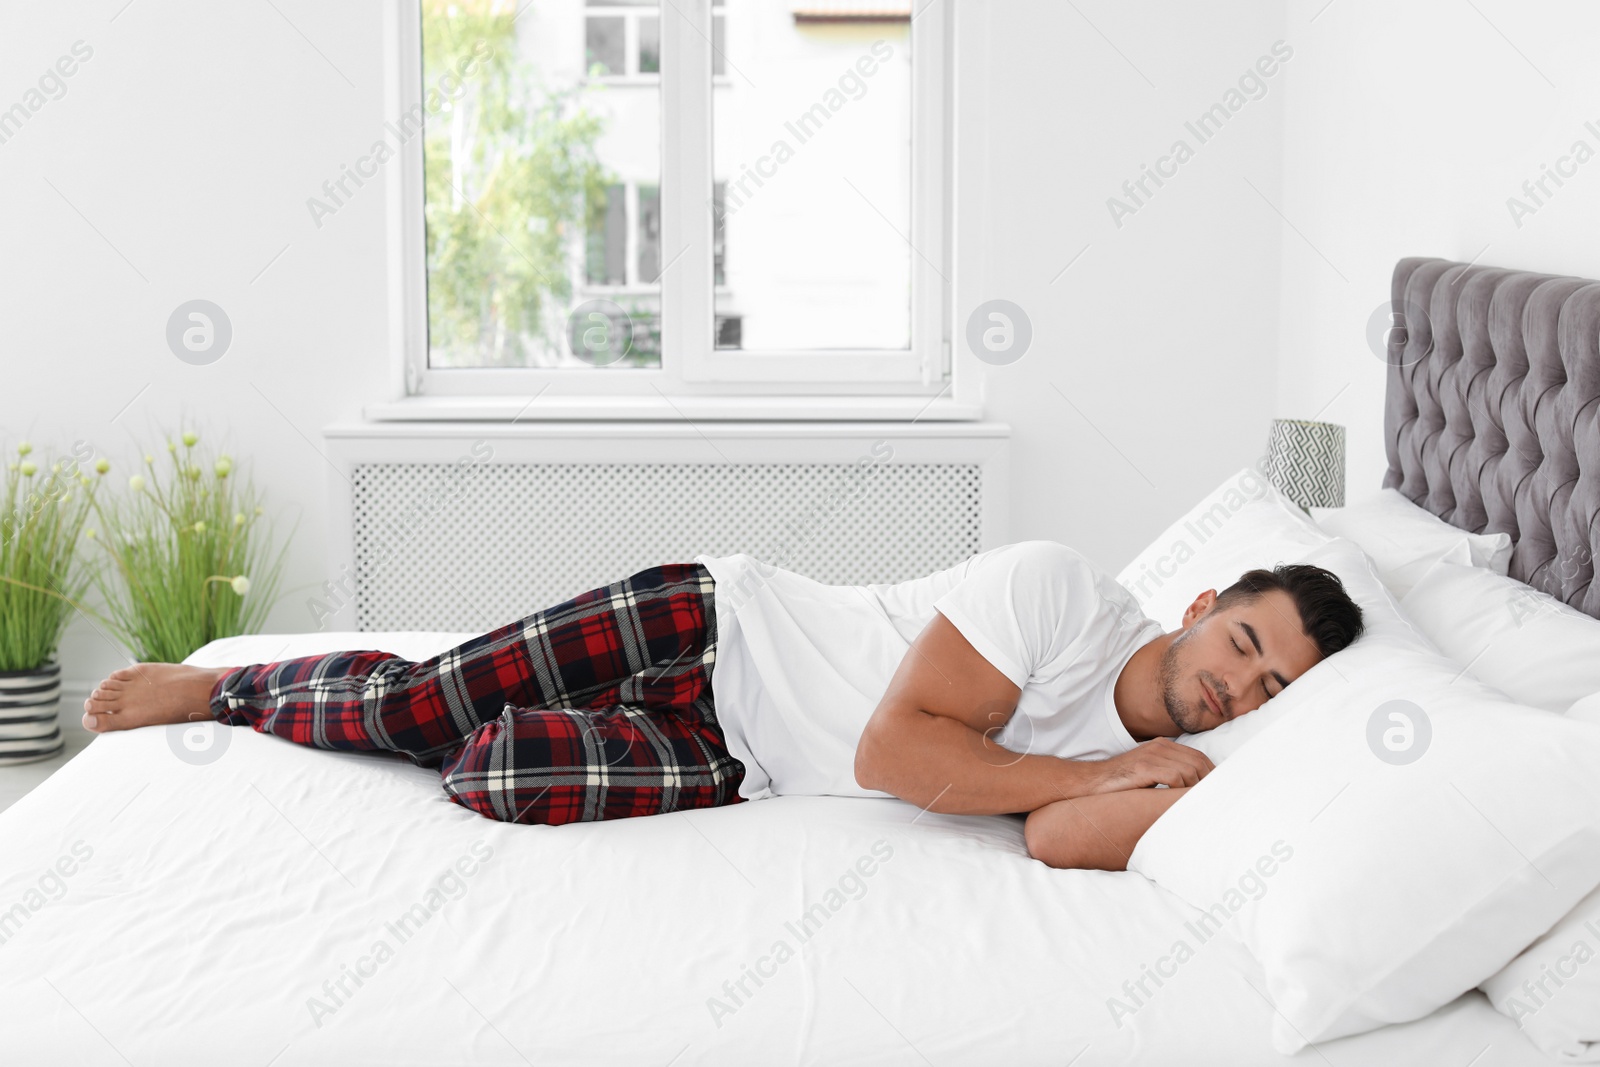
1408	127
189	143
192	138
1162	335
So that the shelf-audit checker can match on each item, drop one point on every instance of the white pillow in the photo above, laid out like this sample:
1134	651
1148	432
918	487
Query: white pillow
1242	524
1586	710
1552	991
1529	645
1374	890
1404	540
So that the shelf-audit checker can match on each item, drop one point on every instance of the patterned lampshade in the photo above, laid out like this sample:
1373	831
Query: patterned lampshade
1305	461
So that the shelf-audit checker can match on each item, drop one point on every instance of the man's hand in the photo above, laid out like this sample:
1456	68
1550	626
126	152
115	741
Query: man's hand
1160	761
1098	831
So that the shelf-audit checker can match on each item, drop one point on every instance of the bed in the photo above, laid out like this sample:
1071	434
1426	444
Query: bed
205	895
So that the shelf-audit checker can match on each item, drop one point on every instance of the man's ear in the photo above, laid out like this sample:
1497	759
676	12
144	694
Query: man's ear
1201	605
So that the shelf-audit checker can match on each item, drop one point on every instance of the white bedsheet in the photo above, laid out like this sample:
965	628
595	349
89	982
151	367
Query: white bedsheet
218	899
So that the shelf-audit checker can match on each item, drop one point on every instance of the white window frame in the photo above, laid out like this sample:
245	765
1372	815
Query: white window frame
695	379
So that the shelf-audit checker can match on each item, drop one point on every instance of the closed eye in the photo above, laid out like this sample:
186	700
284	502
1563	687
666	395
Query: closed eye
1239	650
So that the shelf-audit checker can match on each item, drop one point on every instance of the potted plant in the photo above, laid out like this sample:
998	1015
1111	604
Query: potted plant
41	518
190	559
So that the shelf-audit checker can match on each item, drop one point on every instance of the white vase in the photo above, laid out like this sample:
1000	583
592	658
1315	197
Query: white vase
30	723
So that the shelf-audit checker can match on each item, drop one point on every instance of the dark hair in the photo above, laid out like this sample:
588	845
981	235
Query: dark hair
1327	614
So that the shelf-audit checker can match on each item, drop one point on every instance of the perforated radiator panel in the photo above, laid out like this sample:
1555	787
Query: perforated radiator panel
442	546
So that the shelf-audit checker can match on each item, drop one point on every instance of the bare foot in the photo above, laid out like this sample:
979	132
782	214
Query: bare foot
151	694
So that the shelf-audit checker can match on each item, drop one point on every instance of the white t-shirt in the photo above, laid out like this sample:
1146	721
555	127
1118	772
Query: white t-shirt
801	666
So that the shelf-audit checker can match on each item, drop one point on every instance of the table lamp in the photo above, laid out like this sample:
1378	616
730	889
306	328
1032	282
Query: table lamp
1305	461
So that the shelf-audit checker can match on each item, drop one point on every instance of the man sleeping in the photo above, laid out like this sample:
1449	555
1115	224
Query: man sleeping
1022	680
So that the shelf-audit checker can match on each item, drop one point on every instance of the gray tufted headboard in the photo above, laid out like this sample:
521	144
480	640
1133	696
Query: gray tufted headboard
1492	414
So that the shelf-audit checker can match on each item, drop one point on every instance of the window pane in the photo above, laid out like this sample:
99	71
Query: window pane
607	251
527	171
719	234
603	45
649	45
812	137
649	233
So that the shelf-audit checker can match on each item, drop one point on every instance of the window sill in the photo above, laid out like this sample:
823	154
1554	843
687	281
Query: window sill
543	408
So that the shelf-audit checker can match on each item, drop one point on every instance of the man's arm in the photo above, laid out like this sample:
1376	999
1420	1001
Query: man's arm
1096	832
930	740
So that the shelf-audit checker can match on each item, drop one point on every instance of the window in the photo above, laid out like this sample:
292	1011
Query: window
621	38
607	249
811	141
613	244
604	45
787	234
622	266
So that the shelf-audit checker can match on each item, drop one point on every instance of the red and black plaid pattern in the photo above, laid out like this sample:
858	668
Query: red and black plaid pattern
597	708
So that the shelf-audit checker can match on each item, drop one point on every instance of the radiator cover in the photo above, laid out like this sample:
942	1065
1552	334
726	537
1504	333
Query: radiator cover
468	534
446	547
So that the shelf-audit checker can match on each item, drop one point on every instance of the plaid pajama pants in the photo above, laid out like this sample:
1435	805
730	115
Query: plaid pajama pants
597	708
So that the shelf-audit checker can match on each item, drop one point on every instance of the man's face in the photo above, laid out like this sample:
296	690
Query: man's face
1228	662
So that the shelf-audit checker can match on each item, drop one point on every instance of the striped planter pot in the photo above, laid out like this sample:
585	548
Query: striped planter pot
30	728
